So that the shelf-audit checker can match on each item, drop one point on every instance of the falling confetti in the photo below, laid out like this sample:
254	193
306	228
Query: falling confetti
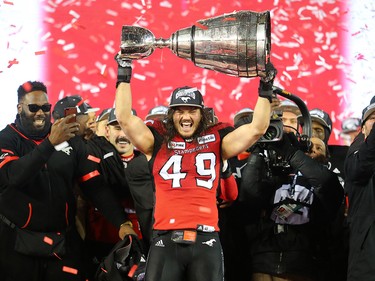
80	38
70	270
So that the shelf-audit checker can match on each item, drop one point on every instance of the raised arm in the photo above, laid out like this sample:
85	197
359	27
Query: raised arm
246	135
133	126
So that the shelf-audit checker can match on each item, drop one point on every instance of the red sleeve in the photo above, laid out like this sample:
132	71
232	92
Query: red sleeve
228	189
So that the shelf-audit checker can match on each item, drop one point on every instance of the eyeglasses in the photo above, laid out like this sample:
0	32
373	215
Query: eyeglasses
35	107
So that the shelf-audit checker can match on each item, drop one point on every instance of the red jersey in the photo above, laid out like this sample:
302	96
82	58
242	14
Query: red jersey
186	178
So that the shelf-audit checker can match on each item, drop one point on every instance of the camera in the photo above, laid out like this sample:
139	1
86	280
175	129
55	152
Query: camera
275	132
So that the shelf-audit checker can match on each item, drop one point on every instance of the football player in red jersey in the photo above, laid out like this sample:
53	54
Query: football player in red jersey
185	154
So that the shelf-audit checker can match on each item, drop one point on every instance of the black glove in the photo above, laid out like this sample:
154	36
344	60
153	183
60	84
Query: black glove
286	147
124	70
266	83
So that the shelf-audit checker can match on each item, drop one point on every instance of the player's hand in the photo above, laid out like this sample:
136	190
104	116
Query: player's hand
266	82
63	130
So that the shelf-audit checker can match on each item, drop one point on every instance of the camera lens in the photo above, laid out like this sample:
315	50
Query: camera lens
271	133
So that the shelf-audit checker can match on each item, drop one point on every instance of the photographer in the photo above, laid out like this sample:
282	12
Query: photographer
299	197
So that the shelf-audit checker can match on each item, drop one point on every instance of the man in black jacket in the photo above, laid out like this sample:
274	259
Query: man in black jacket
299	198
359	185
41	163
115	153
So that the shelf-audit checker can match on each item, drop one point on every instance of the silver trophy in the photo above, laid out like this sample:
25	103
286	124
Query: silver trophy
236	44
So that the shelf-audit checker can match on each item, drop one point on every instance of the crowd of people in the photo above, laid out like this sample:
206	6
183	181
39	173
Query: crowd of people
106	195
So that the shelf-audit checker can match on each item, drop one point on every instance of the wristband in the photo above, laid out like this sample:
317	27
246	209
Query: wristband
124	74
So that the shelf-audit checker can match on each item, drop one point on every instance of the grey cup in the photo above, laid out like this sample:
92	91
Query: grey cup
236	44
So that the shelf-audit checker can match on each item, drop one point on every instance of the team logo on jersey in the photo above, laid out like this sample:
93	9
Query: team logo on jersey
210	242
177	145
67	150
206	139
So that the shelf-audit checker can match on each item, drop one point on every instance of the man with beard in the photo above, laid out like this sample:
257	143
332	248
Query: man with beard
114	152
298	200
40	163
186	154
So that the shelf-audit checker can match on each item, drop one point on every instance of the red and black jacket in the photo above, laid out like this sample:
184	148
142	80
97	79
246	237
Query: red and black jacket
37	191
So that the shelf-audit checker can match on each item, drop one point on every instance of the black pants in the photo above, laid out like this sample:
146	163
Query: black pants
16	267
201	261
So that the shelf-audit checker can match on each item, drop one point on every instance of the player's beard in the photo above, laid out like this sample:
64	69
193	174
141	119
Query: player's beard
26	124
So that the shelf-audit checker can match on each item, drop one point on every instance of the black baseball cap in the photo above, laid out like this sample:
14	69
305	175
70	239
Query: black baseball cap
321	117
112	116
289	106
103	115
186	96
350	124
366	112
244	116
72	101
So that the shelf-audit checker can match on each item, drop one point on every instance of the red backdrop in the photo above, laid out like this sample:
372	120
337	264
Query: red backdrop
308	45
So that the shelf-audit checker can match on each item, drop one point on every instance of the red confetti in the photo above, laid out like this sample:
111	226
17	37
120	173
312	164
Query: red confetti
40	53
70	270
356	33
8	2
27	86
360	57
48	240
11	62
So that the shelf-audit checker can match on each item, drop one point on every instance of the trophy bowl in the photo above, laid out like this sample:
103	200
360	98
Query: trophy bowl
237	44
136	42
